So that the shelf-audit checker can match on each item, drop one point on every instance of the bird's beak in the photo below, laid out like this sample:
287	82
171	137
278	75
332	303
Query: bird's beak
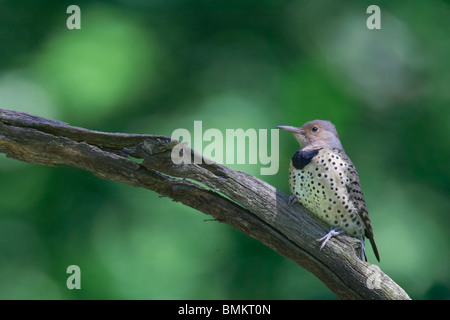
292	129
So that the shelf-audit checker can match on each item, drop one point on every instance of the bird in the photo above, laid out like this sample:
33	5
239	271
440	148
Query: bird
324	180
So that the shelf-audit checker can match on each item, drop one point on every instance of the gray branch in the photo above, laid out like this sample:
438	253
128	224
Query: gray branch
233	197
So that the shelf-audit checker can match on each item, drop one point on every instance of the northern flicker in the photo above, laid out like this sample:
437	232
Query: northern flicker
324	180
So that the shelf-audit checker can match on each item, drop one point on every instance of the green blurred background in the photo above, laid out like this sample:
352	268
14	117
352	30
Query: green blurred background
153	66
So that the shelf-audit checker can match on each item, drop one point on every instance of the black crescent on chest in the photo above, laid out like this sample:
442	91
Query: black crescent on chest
301	158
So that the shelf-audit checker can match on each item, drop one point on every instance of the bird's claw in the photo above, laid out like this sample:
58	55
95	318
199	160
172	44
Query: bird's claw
292	199
333	232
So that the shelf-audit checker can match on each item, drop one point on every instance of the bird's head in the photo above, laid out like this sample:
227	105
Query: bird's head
316	133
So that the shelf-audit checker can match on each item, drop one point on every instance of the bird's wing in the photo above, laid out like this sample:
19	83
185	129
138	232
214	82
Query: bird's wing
356	197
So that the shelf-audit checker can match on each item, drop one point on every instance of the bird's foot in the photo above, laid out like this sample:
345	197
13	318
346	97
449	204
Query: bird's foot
292	199
363	249
333	232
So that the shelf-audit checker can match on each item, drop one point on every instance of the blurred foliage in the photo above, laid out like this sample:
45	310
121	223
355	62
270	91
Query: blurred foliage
154	66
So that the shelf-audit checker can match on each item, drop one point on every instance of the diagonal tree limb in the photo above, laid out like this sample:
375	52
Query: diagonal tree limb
236	198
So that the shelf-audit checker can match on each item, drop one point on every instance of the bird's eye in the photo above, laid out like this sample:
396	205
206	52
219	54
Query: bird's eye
314	129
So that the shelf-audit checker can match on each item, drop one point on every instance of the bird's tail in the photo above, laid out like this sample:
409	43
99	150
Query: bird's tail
374	247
